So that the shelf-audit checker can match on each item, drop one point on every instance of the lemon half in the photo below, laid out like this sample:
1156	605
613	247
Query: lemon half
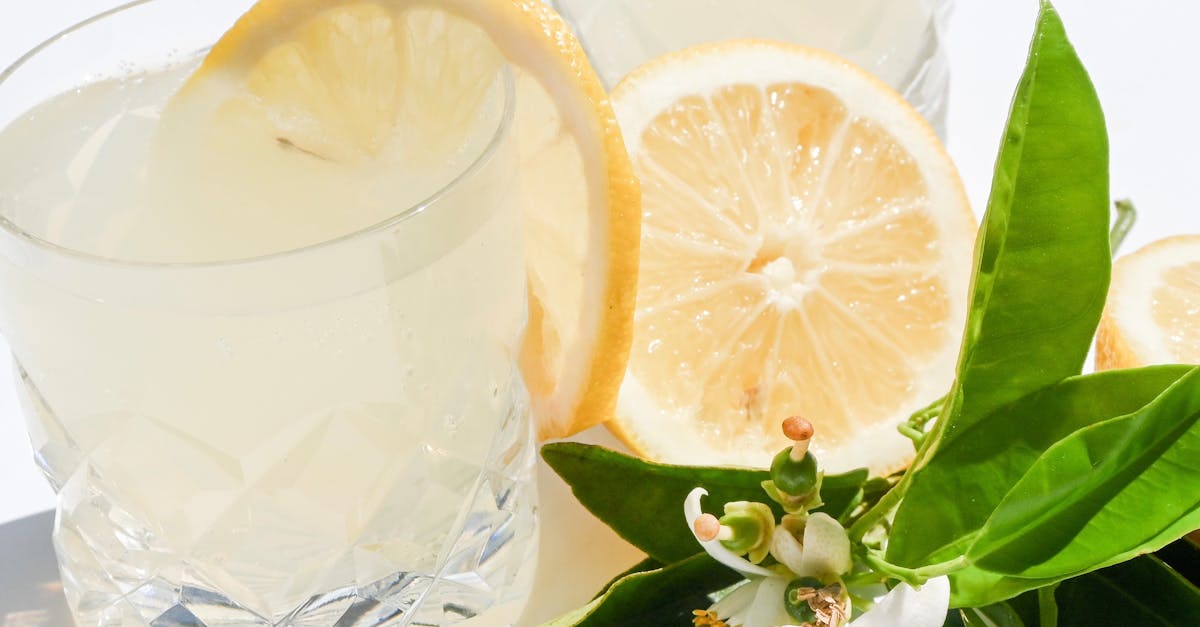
806	250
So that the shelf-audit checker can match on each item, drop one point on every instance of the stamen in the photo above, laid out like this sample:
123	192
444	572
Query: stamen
706	618
804	594
826	604
800	432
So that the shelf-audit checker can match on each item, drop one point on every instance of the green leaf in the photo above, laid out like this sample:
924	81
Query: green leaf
1047	606
974	586
1144	592
645	565
1184	556
665	596
1102	495
1148	578
1042	257
643	501
1028	606
952	497
841	493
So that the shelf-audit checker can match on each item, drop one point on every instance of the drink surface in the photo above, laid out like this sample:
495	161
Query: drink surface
310	434
85	171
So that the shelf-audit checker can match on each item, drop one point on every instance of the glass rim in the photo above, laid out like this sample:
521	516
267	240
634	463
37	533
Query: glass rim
476	164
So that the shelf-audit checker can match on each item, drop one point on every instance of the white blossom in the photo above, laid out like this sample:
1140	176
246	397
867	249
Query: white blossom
912	607
759	603
822	551
692	511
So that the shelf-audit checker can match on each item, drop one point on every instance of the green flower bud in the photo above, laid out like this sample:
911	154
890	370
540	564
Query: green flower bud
794	477
752	525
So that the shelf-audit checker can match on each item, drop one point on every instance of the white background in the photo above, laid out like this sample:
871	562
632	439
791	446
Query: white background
1142	57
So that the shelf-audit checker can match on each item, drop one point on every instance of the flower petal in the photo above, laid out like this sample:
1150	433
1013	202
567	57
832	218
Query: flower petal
692	511
921	607
737	603
826	547
786	548
768	609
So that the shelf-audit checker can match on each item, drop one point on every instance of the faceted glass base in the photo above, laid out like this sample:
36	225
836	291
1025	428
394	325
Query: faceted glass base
445	540
491	566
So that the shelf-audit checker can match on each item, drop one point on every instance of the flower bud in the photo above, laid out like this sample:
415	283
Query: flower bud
794	477
752	525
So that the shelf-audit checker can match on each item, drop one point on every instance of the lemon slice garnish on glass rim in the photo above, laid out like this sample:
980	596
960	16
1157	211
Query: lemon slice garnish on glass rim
336	79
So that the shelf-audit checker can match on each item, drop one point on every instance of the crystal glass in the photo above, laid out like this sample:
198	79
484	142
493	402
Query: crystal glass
899	41
328	434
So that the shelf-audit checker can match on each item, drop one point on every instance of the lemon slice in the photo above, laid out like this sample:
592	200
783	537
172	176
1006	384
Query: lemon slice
360	86
1150	317
806	249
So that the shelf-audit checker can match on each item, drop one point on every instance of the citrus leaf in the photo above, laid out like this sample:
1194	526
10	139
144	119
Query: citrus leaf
665	596
645	565
1183	556
841	493
1102	495
974	587
1143	592
643	501
1042	260
953	496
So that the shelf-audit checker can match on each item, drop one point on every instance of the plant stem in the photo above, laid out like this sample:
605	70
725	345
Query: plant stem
913	434
922	416
914	427
864	577
1047	606
1126	217
925	447
882	508
913	576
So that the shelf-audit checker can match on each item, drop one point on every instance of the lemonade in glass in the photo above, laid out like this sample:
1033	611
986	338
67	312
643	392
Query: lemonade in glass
270	386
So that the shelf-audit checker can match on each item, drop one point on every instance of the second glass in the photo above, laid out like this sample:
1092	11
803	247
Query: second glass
897	40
